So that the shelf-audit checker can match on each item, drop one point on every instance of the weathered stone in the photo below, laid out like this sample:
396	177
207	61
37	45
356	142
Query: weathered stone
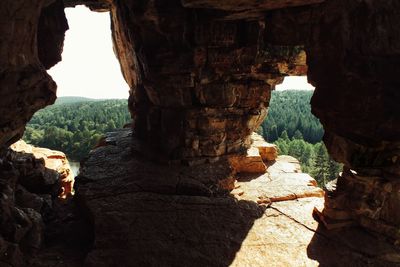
268	152
43	169
139	218
25	85
51	32
21	210
200	73
373	201
251	162
218	83
282	181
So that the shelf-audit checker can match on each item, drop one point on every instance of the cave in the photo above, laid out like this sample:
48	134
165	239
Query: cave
200	74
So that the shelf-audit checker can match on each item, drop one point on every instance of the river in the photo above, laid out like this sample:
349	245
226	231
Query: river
74	167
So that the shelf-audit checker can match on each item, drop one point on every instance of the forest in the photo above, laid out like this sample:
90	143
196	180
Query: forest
298	133
74	125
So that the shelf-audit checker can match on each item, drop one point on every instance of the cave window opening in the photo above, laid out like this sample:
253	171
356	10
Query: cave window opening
92	93
296	131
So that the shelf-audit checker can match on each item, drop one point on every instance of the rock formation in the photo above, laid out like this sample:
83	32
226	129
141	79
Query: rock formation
147	214
201	73
353	69
25	85
31	180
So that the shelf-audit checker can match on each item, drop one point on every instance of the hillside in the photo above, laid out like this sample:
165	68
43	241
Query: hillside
75	127
75	124
71	99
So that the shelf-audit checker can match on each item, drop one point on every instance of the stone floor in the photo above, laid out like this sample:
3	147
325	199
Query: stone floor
146	214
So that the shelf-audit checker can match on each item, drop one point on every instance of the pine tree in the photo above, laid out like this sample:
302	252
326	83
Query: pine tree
320	169
273	134
284	136
297	135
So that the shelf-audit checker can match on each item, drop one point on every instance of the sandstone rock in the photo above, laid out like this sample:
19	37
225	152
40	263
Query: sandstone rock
25	85
252	162
25	172
359	71
43	169
370	200
51	32
285	164
268	152
199	95
139	218
281	182
222	83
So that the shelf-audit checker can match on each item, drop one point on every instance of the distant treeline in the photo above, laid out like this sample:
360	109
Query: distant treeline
74	125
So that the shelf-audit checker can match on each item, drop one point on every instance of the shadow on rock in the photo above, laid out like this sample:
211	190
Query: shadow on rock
33	219
146	229
149	214
351	247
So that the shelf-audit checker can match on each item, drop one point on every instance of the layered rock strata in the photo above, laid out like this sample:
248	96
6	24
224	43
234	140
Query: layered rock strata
31	180
147	214
197	75
207	88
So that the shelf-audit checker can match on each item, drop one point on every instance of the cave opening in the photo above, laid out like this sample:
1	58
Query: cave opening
296	131
91	95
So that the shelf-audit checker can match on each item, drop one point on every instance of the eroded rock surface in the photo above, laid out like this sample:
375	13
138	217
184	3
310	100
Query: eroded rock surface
25	85
148	214
207	88
43	169
282	181
256	157
201	72
31	180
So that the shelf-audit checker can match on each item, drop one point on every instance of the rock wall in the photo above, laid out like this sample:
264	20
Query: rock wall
25	85
352	53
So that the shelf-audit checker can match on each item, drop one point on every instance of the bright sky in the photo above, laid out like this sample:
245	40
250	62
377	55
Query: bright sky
89	67
294	83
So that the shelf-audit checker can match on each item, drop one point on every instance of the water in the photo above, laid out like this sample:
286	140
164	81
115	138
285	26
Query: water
74	167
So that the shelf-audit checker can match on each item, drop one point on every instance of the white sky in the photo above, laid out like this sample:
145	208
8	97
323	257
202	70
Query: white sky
294	83
89	67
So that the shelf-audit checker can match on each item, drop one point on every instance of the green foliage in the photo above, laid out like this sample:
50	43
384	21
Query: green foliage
314	158
290	111
74	126
300	134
